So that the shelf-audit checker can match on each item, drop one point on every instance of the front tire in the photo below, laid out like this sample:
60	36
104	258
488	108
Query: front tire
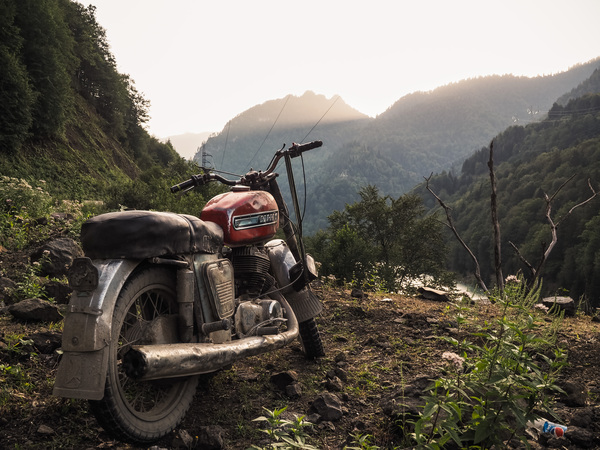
142	411
311	339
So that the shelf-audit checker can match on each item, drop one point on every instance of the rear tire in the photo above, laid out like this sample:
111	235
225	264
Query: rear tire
311	339
142	411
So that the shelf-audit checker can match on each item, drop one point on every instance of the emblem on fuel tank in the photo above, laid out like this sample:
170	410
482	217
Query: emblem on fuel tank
255	220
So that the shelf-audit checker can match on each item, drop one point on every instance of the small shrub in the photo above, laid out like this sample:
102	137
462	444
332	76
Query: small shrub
285	434
362	442
494	385
20	197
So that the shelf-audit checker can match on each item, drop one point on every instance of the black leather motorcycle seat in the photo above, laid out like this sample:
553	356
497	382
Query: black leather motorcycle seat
145	234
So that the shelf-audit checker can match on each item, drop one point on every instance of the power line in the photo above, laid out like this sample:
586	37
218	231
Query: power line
226	140
319	121
269	132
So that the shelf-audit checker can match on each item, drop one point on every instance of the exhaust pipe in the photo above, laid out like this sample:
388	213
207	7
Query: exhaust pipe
153	362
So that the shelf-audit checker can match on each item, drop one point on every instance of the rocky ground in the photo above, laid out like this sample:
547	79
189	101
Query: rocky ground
380	350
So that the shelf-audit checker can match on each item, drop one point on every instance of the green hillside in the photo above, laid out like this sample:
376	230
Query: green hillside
532	161
69	118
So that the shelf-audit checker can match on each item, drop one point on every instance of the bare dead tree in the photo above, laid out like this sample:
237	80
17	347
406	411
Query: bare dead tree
535	271
450	225
495	222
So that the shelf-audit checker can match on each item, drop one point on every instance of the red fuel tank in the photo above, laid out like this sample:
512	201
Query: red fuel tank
246	216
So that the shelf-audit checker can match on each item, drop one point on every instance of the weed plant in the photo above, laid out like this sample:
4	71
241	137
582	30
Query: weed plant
25	207
283	433
362	442
496	382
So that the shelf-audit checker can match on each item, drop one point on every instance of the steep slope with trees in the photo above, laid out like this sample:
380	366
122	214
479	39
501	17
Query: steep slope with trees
532	161
67	116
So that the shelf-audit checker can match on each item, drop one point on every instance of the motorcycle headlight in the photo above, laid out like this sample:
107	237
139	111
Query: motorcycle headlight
83	275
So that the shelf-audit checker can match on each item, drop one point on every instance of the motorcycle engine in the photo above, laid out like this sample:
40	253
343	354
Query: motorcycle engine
251	268
258	318
252	279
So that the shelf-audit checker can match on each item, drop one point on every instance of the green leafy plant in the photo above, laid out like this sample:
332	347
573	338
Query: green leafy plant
494	384
22	203
30	285
17	345
11	377
283	433
362	442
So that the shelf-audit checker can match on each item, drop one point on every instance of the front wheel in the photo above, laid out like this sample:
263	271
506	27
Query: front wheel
311	339
143	411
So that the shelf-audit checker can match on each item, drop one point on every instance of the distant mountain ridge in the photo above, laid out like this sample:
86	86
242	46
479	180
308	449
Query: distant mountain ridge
421	133
292	111
250	138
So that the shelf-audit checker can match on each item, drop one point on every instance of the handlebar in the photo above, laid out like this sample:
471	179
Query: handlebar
252	177
298	149
196	180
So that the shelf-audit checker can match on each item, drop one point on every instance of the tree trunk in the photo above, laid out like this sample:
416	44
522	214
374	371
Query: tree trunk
495	223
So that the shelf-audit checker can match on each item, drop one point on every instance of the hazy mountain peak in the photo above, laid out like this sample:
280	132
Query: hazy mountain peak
187	144
297	110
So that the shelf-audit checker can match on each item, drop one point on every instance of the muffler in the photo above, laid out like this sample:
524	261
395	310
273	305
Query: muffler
153	362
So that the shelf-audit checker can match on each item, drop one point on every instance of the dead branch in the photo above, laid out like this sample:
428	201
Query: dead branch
495	222
594	194
522	258
535	272
450	225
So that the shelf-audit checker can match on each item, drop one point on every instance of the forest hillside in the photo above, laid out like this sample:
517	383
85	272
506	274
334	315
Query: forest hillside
559	154
421	133
68	117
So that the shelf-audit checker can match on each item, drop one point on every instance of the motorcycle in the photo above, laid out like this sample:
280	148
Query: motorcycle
161	298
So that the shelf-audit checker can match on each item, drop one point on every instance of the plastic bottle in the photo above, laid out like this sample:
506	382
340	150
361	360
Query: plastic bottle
549	427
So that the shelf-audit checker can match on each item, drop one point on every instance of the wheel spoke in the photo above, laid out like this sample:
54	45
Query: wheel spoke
143	411
142	397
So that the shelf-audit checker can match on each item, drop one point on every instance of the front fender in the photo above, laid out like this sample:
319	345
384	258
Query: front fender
87	331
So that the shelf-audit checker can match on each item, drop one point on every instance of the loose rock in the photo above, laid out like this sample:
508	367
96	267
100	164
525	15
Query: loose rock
60	292
284	379
210	438
293	390
35	309
328	406
566	304
45	429
434	294
46	342
57	256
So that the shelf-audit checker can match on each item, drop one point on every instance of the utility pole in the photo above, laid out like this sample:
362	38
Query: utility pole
205	156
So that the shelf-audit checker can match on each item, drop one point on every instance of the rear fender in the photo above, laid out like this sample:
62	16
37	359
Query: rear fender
87	333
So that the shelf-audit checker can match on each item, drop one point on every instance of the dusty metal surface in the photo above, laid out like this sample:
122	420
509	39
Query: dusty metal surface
151	362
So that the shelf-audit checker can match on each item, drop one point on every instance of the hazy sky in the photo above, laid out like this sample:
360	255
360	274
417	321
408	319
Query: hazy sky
200	63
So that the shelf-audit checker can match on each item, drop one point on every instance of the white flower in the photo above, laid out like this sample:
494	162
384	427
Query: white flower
455	360
512	279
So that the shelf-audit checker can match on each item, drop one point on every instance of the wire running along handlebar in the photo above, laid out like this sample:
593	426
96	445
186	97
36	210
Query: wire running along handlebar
251	177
